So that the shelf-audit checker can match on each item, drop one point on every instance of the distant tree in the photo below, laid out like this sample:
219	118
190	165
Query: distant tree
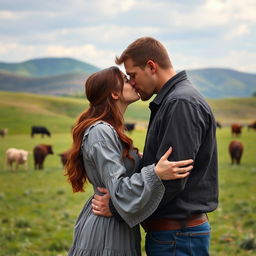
254	94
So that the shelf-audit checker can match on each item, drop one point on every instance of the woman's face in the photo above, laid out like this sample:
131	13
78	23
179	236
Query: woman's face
129	93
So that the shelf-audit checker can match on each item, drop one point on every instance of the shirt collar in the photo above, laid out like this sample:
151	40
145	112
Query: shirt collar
169	85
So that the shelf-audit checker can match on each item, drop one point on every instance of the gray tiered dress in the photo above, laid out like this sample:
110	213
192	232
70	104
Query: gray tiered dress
134	195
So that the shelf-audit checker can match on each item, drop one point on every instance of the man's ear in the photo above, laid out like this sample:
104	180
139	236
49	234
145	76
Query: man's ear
115	95
152	65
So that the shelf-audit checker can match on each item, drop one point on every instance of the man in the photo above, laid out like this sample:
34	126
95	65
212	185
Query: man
181	118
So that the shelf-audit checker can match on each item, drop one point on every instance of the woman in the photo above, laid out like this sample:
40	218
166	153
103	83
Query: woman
104	155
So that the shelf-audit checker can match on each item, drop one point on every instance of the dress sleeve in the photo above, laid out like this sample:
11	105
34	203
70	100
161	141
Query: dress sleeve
136	197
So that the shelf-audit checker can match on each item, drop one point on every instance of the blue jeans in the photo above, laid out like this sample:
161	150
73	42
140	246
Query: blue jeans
193	241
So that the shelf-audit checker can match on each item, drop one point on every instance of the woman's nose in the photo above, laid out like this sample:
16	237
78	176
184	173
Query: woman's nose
132	82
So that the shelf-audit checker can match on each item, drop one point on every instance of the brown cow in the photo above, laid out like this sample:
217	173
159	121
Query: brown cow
236	129
40	152
18	156
3	132
235	150
252	126
64	157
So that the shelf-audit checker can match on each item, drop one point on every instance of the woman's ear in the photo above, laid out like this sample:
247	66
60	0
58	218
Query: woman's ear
115	95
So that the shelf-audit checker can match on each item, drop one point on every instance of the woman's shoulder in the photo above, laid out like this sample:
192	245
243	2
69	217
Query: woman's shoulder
100	131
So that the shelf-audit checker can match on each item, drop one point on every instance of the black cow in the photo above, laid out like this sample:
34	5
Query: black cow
129	127
218	124
40	130
252	126
3	132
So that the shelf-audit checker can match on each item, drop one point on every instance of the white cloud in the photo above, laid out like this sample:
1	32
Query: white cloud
88	53
7	15
110	7
239	31
239	60
198	32
6	48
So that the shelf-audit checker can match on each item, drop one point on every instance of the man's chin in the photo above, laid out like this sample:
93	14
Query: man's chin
144	97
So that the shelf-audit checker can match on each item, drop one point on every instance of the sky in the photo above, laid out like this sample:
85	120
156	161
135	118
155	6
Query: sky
196	33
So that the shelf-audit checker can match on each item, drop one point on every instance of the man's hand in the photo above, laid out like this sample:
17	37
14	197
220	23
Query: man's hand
100	204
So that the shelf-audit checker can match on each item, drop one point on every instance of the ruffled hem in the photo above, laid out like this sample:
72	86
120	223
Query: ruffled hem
106	252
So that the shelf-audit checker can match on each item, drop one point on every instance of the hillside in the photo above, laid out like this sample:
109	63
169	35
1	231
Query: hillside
66	76
223	83
47	67
67	84
19	111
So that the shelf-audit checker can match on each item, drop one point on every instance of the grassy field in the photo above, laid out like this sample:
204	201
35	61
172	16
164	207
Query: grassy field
38	208
19	111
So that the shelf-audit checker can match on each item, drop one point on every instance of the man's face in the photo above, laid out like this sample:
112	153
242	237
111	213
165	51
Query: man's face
141	79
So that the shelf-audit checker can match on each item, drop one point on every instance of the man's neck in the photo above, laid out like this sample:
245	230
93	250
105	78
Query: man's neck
164	76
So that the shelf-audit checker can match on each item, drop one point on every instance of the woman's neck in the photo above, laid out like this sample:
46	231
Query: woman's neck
122	107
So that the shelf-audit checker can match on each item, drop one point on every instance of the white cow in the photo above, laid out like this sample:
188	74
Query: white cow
18	156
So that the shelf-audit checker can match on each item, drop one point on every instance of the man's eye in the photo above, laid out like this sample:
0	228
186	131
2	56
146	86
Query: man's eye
126	79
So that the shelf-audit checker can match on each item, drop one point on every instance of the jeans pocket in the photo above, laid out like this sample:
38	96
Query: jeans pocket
159	245
197	239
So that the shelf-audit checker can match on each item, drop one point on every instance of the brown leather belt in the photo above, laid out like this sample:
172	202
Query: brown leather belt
173	224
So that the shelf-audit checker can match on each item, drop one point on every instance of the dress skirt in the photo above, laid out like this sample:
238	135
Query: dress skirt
103	236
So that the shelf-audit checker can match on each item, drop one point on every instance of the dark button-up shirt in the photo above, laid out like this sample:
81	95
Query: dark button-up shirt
181	118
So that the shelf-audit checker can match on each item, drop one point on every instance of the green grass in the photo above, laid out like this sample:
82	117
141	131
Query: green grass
38	208
19	111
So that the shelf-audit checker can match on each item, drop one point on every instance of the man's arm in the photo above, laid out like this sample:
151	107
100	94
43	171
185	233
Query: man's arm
102	205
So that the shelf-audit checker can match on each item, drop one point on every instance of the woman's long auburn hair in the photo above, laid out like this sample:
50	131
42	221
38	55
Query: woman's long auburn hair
99	88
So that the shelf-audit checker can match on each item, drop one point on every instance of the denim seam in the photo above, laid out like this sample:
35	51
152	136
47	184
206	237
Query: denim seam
162	242
192	234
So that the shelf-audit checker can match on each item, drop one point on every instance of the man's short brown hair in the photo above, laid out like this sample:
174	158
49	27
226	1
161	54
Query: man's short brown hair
144	49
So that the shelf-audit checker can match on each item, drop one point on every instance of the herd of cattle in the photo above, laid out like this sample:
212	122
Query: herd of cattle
236	147
20	156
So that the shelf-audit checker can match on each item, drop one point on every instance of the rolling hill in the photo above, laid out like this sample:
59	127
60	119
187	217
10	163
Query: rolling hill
66	76
45	67
223	83
19	111
67	84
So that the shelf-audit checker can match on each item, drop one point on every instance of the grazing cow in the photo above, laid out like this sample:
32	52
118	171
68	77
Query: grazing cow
17	156
129	127
40	130
3	132
252	126
235	150
218	124
40	152
64	157
236	129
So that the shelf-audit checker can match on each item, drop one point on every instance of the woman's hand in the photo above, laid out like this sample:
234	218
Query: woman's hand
167	170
